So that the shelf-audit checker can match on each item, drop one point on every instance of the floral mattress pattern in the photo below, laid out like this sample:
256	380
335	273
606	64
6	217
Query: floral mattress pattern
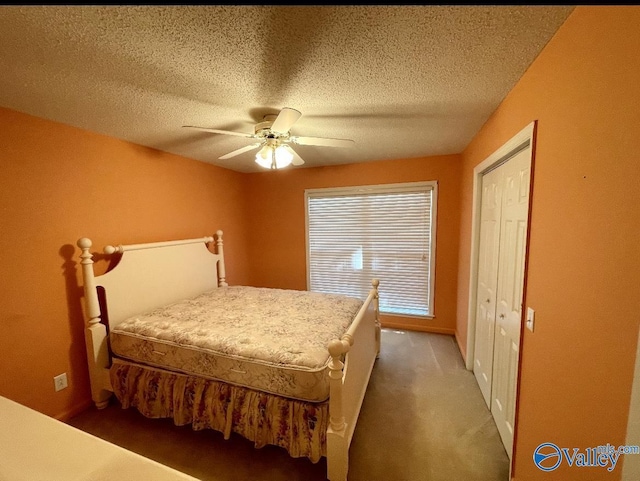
298	426
273	340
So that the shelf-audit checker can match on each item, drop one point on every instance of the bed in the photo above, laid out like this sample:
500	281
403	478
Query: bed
167	335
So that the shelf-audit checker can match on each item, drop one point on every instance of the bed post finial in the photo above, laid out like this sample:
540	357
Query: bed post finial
222	280
90	293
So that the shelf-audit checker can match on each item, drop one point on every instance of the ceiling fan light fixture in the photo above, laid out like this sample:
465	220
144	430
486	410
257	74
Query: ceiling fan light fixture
271	157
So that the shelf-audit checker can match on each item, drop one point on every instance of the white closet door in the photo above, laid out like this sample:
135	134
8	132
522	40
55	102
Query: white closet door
490	209
513	236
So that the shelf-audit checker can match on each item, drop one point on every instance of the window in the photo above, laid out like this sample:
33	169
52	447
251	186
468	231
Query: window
387	232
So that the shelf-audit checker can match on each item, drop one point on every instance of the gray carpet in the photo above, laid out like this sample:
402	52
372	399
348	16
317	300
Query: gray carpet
423	418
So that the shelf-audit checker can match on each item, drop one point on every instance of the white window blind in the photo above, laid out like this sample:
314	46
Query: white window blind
385	232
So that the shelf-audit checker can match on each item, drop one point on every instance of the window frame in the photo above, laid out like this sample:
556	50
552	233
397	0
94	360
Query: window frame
376	189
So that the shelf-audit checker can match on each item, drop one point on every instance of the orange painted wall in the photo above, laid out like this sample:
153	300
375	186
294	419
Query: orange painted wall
584	265
60	183
277	218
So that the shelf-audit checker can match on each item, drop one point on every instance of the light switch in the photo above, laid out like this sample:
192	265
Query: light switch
530	317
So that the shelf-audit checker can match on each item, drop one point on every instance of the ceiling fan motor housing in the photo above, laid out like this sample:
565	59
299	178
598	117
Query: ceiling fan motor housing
263	129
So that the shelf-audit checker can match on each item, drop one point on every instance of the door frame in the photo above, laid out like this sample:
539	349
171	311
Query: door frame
523	139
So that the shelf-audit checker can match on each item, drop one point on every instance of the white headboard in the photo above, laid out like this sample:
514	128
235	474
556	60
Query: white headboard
151	275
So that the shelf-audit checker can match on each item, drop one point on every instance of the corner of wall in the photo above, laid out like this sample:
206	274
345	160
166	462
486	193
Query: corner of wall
461	345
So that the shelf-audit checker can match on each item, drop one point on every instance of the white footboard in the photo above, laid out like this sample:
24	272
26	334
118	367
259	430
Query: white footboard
348	382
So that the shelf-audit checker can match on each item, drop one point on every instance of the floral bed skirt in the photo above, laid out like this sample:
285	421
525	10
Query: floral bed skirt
298	426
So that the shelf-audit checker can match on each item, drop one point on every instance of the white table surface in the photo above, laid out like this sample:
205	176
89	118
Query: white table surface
36	447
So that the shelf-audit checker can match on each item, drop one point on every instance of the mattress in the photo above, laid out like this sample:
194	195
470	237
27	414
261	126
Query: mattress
272	340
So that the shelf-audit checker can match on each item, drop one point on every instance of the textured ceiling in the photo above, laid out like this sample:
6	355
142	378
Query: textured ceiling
401	81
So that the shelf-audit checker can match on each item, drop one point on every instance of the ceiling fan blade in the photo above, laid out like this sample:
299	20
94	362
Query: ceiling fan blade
323	141
297	160
225	132
285	120
239	151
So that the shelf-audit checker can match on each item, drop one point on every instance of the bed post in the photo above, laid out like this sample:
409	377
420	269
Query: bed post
376	307
222	280
337	442
95	331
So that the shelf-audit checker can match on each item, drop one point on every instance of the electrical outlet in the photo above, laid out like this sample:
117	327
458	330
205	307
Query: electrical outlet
60	381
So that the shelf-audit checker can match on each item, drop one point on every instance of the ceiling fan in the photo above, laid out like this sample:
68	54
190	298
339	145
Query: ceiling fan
273	137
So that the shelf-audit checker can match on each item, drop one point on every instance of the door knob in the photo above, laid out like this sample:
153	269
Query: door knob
501	316
488	301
